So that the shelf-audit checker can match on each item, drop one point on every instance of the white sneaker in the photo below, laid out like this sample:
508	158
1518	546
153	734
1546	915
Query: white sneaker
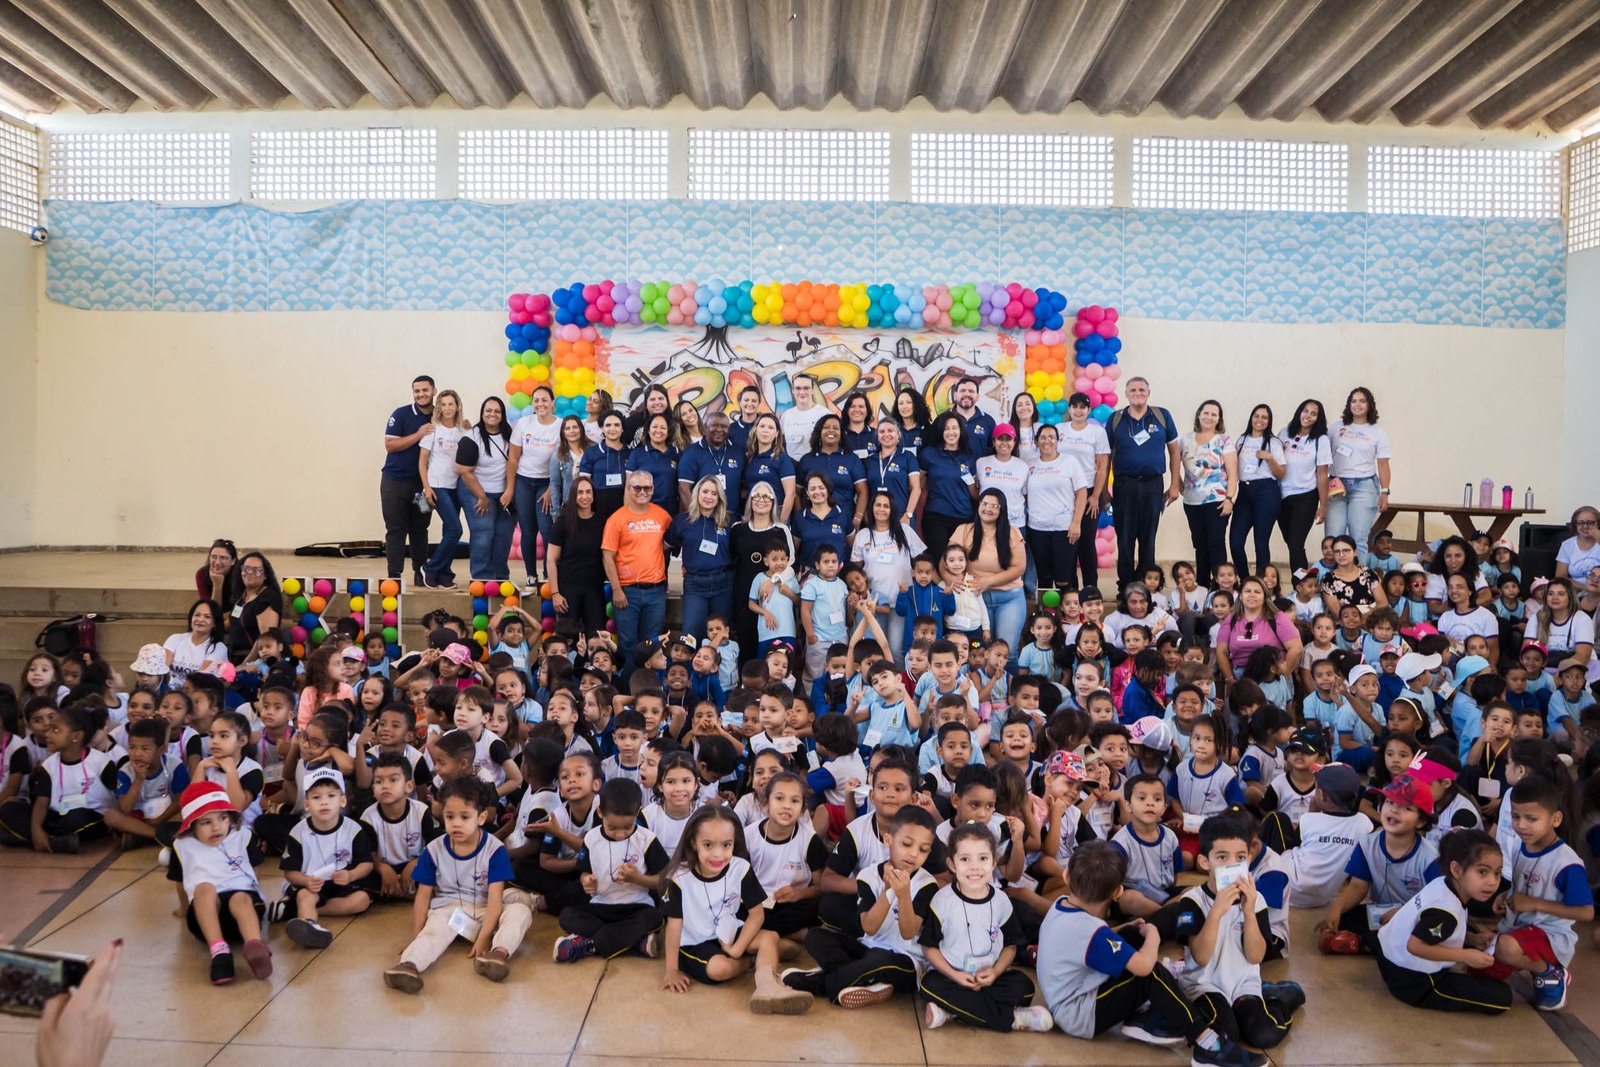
859	996
934	1016
1036	1019
164	857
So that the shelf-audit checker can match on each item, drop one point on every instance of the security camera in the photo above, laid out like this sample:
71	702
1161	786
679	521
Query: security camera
39	234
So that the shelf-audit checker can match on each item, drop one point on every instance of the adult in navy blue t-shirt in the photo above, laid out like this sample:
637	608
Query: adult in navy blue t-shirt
1144	446
979	424
713	456
402	481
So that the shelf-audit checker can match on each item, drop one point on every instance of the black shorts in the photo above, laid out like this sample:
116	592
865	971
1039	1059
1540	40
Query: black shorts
791	918
692	960
371	885
225	919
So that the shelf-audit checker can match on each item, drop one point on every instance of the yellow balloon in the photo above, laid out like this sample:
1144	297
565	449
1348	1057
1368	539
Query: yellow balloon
291	586
759	312
358	603
390	603
1055	392
519	372
774	301
861	301
539	374
758	293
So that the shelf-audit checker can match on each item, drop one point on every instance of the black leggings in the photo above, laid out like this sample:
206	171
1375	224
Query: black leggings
614	928
846	962
1120	998
936	531
1055	558
16	823
586	602
1254	514
1296	515
1085	552
992	1007
1255	1020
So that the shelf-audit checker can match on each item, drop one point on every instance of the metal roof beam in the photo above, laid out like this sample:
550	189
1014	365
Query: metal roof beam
881	48
354	32
121	51
795	46
1322	51
449	42
971	43
539	53
1058	46
1150	41
1568	71
46	59
1240	41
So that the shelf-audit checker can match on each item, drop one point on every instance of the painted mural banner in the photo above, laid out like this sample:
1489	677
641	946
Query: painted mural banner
710	366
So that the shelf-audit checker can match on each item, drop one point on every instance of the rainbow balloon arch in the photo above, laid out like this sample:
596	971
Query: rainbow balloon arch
558	339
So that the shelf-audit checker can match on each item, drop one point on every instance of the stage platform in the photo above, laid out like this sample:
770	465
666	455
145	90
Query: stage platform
146	594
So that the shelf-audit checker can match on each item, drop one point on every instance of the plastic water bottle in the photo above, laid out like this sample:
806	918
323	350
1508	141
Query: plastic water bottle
1505	498
1527	499
1466	495
1486	493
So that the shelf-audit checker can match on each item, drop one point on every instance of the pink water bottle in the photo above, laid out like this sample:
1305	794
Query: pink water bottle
1505	498
1486	493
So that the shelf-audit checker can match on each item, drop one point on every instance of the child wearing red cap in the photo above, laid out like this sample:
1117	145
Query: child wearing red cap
1387	867
210	857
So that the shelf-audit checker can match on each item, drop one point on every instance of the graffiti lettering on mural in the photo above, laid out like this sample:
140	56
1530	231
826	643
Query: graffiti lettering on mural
712	367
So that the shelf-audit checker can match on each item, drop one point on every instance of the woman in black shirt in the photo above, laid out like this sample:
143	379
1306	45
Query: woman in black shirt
573	556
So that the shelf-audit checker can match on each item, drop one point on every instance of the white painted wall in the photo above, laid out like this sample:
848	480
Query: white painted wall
266	428
1580	480
21	264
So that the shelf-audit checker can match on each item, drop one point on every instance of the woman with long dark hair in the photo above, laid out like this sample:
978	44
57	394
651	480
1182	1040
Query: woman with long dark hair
748	542
911	415
255	605
885	547
533	439
996	557
951	478
1210	480
572	558
1360	462
1304	483
1260	463
482	456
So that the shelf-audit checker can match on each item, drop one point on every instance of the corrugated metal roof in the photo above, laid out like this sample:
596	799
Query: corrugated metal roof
1513	64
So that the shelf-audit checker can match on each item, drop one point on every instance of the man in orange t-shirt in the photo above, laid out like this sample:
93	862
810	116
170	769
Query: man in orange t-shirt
631	547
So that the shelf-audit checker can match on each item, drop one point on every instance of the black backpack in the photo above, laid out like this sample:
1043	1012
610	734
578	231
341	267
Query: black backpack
63	635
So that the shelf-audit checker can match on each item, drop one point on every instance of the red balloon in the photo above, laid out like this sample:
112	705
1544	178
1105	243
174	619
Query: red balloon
1106	329
1111	315
1026	321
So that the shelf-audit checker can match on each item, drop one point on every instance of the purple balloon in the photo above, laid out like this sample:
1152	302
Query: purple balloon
633	304
997	317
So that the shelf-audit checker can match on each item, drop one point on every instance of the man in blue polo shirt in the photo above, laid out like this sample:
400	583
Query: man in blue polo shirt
713	456
1144	445
402	481
980	425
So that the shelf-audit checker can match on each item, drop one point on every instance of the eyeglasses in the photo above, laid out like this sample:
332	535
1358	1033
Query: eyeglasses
1586	522
641	488
251	570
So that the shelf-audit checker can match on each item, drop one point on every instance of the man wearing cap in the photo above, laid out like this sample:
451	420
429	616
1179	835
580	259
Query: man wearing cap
1144	446
632	549
979	424
403	520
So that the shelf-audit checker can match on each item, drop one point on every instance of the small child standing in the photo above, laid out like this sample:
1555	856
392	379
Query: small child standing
969	975
773	595
328	862
822	602
619	868
210	856
712	901
463	891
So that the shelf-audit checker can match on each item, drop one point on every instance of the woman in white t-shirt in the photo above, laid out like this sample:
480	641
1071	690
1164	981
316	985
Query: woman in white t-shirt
1465	617
885	547
533	441
1562	629
481	463
201	648
1025	421
1261	463
1057	496
440	481
1085	440
1304	483
1360	462
1580	553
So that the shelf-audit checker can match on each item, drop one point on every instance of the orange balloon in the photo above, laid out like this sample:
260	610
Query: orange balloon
583	349
804	319
544	590
1058	352
513	386
803	301
317	604
832	319
831	301
511	601
805	287
789	291
476	588
790	312
389	587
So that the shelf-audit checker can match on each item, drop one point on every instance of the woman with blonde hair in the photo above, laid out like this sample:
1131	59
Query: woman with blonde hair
441	483
699	534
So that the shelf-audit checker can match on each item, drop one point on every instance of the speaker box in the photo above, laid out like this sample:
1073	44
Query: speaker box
1537	545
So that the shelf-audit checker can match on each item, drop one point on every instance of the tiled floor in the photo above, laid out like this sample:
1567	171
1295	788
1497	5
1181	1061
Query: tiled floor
610	1014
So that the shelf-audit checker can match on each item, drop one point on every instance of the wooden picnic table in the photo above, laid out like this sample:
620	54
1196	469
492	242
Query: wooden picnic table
1467	520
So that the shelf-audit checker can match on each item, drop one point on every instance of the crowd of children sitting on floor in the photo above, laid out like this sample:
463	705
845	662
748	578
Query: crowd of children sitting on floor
1012	844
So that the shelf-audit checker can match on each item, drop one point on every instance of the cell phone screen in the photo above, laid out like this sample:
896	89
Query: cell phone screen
28	979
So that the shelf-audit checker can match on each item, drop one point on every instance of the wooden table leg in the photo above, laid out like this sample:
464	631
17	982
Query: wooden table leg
1464	524
1498	527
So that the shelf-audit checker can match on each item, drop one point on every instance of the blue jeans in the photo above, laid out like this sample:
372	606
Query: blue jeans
1007	610
533	519
1360	758
705	595
442	561
1254	515
491	539
644	617
1354	512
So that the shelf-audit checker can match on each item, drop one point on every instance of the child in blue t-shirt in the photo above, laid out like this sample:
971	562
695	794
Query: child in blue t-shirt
508	633
773	595
822	602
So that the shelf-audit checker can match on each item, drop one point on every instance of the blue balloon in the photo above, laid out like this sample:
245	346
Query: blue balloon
918	302
310	621
902	315
519	345
513	331
1113	344
358	587
1094	342
702	317
393	652
559	298
748	321
562	315
717	305
1101	413
716	284
746	303
1104	520
480	605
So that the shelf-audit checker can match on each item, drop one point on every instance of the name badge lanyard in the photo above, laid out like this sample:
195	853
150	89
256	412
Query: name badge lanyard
61	787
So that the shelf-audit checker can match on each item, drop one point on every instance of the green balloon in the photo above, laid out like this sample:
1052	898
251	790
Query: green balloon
301	605
970	298
1050	598
662	305
608	610
318	636
480	622
647	313
391	634
513	358
647	292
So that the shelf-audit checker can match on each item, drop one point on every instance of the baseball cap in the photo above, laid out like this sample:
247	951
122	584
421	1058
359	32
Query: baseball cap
458	654
1088	593
353	652
645	649
1569	663
1413	568
1419	631
1005	429
1341	783
687	641
1067	763
323	774
1467	667
1302	574
1414	663
442	638
1409	791
1304	741
1358	672
1536	646
1425	769
1151	732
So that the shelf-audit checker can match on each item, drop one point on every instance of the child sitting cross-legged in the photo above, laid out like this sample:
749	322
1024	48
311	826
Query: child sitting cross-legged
1093	980
619	867
463	889
401	824
328	862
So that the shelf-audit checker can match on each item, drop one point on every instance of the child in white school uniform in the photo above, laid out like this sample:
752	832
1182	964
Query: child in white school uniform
712	902
327	863
1224	929
787	855
970	937
1386	868
401	825
463	890
210	856
1328	832
619	867
1093	980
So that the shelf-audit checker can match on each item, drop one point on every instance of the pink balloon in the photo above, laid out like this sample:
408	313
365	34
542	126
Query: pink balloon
1082	328
1113	371
944	319
570	332
687	306
1034	337
689	288
929	292
589	333
1014	290
603	302
1107	560
1093	371
1109	397
1106	329
943	300
607	285
1029	298
1111	315
1093	313
1082	384
675	294
519	317
1026	319
1051	337
541	318
516	300
675	317
930	314
590	292
539	302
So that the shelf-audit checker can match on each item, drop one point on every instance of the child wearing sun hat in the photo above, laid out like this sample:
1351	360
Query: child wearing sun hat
210	858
